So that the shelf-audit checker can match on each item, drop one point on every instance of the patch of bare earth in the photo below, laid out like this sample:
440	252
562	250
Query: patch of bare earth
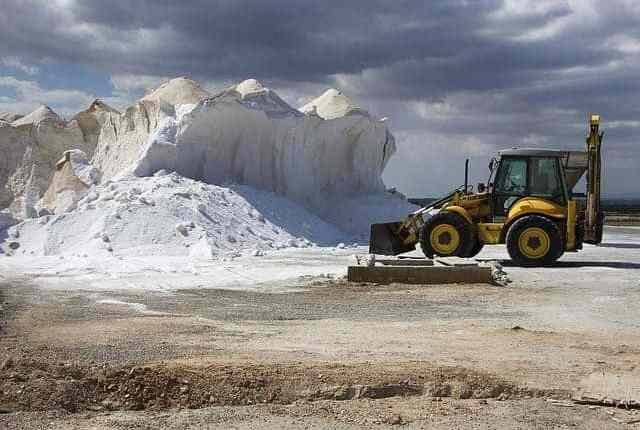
40	386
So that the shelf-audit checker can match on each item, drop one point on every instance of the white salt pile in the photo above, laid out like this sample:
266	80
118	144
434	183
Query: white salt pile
248	134
308	176
332	104
171	215
30	147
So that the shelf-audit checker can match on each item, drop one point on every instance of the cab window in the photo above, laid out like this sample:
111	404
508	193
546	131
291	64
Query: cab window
544	179
511	185
512	178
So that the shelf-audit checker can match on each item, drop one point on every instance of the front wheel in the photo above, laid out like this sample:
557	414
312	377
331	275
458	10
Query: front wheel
446	234
534	241
475	250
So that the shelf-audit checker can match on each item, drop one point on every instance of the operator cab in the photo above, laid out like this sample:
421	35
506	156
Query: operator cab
518	173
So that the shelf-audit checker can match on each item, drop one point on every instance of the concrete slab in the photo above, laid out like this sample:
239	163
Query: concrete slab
419	274
457	263
405	262
620	389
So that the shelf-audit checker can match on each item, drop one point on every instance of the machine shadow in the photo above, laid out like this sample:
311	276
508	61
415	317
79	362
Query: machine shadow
4	234
620	245
576	264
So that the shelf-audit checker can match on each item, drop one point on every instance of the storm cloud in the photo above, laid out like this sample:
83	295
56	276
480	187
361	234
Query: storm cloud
458	79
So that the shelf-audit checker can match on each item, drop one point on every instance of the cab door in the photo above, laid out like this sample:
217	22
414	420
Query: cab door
510	186
546	180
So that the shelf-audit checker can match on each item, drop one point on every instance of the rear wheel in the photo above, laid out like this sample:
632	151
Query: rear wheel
534	241
446	234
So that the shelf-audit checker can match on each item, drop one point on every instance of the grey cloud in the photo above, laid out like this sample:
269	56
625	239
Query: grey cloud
524	77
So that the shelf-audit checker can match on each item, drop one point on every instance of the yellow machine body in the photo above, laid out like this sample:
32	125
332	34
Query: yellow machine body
540	198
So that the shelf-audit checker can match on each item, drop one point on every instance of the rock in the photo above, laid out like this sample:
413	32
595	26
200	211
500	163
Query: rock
461	390
395	420
182	229
161	172
6	363
341	393
147	201
44	212
498	274
111	405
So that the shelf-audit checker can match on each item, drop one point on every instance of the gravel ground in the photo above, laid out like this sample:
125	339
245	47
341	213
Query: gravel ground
318	352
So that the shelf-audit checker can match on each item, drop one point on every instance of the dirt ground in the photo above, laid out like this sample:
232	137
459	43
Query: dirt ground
323	353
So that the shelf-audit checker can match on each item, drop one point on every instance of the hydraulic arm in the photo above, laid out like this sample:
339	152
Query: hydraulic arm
593	214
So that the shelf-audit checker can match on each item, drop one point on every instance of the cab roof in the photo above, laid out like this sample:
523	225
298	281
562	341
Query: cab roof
533	152
575	163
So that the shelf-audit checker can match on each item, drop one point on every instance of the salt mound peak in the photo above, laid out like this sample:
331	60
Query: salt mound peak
256	96
9	116
250	87
43	113
332	104
99	106
178	91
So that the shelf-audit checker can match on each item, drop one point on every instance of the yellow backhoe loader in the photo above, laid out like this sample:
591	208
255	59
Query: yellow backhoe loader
528	203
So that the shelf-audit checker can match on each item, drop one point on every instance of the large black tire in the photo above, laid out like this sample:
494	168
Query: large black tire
600	228
446	234
475	249
534	241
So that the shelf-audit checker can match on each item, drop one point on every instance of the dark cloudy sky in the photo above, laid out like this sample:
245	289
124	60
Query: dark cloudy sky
457	78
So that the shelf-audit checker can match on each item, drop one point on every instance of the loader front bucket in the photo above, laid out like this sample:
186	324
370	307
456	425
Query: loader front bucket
385	240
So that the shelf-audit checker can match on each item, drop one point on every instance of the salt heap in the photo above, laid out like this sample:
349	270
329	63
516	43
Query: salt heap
31	145
123	138
247	134
184	172
170	215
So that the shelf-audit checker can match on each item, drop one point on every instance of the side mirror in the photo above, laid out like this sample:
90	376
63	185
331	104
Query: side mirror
481	187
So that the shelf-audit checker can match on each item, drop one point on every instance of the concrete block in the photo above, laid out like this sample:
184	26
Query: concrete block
405	262
420	274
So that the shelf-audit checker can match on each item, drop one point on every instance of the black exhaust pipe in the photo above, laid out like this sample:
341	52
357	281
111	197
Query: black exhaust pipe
466	175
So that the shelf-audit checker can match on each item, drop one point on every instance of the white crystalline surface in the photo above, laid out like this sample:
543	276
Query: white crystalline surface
43	113
81	167
171	215
165	165
249	135
332	104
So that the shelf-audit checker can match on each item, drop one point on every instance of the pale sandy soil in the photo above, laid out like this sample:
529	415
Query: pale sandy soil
273	331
